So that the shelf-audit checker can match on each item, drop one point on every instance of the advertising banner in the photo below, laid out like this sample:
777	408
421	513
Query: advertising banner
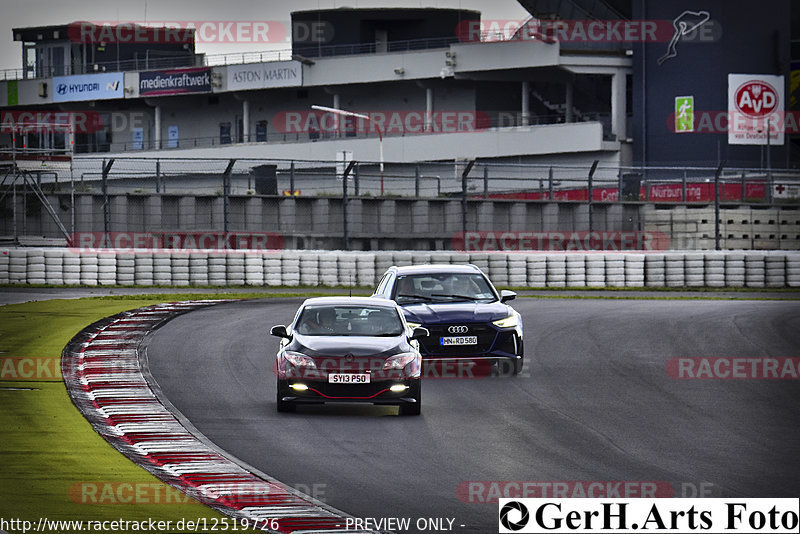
265	75
88	87
756	103
175	82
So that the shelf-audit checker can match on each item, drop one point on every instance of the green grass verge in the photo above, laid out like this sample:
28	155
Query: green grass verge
54	465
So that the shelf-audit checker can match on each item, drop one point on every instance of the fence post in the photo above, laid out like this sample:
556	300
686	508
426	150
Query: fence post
744	188
416	181
345	235
716	204
591	193
291	179
158	176
226	191
550	184
356	177
683	186
106	212
464	195
485	182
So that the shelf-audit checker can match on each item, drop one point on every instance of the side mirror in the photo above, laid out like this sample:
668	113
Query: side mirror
419	332
506	295
280	331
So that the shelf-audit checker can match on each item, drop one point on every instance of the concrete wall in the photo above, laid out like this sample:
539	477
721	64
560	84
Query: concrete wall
316	222
59	266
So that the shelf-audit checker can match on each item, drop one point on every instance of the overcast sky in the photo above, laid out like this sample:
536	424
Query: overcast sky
24	13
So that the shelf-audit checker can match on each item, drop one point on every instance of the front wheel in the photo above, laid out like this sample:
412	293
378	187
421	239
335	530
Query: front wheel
416	392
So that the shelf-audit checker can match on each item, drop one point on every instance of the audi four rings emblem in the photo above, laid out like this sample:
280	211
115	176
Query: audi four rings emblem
458	329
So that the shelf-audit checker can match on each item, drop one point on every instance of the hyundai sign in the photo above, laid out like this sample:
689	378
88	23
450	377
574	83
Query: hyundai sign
88	87
175	82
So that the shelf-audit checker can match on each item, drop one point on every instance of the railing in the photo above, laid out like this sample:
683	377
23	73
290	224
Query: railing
213	60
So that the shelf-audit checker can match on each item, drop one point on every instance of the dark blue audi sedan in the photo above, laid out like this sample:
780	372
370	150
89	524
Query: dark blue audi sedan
467	318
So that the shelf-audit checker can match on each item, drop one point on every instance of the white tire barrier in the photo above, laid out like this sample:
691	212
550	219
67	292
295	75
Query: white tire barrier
347	269
384	260
217	269
290	266
595	270
420	258
18	266
694	266
198	269
556	270
309	269
654	270
615	270
143	269
775	270
793	270
734	270
162	269
272	270
72	268
89	269
254	269
714	270
537	270
341	268
517	270
234	264
754	270
180	269
481	260
576	270
498	269
674	271
365	267
634	270
329	269
107	268
54	266
5	257
402	258
126	269
35	266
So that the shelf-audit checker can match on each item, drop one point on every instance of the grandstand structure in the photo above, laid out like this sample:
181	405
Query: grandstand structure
582	86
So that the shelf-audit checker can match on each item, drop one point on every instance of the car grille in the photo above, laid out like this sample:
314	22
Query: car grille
431	344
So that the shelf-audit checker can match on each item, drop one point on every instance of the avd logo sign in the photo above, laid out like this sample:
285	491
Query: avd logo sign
756	106
756	99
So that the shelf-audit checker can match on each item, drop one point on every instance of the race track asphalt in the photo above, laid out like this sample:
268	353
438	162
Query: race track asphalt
595	403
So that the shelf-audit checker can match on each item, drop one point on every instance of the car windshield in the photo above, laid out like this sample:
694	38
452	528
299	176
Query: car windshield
443	287
349	321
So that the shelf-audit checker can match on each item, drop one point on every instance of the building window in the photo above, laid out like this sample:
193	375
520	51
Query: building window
225	133
261	131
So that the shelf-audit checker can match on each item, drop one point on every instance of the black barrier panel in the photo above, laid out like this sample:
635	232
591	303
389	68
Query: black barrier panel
265	178
631	186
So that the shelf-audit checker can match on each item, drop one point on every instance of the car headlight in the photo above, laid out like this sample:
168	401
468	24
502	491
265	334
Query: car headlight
399	361
507	322
299	360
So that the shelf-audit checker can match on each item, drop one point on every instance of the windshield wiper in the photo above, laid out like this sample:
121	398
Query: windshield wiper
460	297
414	296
